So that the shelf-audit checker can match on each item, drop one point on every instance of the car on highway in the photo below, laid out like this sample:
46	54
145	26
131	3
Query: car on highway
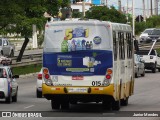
144	35
154	35
8	84
139	66
39	85
151	59
6	48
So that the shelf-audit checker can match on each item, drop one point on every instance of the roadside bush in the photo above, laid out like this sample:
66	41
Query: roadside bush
139	27
76	15
40	40
152	22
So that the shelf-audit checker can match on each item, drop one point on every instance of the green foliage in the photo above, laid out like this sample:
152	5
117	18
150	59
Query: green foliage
105	14
40	39
158	50
18	16
76	15
152	22
140	26
27	69
155	20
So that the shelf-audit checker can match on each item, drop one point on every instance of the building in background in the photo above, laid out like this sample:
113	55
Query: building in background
76	5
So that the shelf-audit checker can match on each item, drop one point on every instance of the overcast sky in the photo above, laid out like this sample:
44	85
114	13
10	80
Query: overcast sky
138	5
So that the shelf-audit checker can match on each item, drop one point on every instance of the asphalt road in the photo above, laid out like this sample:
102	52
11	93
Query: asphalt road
146	98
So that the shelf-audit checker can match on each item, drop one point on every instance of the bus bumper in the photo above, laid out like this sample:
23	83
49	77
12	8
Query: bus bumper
59	90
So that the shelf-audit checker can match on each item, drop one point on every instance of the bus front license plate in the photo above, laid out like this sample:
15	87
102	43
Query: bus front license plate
77	90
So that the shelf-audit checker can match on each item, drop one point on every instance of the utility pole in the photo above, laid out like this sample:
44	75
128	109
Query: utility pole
70	10
148	14
119	4
155	7
133	20
127	7
144	11
151	8
83	8
127	12
106	3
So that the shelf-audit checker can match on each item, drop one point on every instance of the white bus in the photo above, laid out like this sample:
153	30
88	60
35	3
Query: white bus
88	61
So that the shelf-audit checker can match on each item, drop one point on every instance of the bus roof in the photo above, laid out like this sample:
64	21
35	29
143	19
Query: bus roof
120	26
115	26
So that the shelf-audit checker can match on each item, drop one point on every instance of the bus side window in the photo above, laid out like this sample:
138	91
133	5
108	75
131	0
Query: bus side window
120	45
115	45
129	45
123	48
127	39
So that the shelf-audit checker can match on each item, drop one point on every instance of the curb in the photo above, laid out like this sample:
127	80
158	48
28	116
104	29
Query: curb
28	75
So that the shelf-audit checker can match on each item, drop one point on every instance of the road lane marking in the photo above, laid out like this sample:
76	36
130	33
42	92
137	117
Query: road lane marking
28	107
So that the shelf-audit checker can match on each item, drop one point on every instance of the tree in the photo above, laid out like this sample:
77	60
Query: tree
151	22
106	14
18	16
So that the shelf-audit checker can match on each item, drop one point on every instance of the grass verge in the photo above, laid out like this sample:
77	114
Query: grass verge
26	69
158	50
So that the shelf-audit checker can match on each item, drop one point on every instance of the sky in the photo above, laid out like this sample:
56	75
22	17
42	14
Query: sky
138	5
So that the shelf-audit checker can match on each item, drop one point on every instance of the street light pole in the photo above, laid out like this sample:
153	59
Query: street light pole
119	4
83	8
151	8
127	8
106	3
133	18
144	11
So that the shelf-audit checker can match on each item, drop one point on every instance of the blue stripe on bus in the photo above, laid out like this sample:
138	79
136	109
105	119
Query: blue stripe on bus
101	58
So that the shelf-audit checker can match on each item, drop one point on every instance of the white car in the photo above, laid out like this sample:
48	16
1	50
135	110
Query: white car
8	84
144	35
139	66
39	85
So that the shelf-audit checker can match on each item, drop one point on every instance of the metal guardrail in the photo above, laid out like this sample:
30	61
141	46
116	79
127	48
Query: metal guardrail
27	60
148	45
37	58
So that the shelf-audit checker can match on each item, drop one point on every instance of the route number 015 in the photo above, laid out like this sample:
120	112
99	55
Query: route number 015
96	83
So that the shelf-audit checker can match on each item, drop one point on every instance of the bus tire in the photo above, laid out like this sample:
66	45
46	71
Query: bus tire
116	105
154	69
106	104
65	105
8	99
124	102
55	104
12	54
73	102
143	74
136	75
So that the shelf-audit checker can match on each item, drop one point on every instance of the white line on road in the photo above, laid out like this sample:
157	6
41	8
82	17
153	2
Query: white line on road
28	107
